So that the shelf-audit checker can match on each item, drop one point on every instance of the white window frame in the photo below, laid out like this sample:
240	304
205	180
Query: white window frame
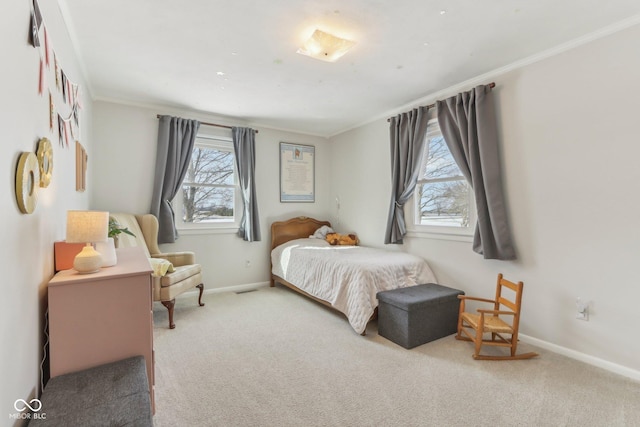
415	228
221	143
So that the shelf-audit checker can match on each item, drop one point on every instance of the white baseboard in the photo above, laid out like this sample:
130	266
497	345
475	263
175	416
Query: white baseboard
591	360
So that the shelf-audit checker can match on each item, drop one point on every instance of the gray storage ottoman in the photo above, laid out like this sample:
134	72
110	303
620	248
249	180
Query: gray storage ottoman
418	314
114	394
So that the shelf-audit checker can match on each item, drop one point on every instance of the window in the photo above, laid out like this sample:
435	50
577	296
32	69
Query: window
210	190
443	198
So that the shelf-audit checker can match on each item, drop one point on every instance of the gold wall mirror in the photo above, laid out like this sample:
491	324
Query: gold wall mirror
45	161
27	182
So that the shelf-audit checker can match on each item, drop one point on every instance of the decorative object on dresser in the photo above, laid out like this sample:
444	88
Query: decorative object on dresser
65	253
87	227
115	229
502	321
108	249
345	278
103	317
167	284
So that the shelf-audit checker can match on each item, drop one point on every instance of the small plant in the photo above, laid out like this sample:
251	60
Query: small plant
115	229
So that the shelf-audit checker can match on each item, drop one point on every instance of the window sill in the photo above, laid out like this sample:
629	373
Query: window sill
440	235
194	231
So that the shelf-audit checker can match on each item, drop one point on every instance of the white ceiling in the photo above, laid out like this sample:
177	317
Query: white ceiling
169	52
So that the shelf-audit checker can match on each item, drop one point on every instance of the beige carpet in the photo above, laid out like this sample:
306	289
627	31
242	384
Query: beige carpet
274	358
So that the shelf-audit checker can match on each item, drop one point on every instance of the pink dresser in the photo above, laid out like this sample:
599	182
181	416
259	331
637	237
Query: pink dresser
102	317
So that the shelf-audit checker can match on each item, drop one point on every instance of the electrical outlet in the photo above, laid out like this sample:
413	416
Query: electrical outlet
582	309
247	263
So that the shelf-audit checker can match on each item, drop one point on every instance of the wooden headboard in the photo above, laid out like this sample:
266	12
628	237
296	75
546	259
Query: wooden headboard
294	228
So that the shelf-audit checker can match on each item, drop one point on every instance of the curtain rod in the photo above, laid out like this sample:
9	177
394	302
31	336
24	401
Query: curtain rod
210	124
491	85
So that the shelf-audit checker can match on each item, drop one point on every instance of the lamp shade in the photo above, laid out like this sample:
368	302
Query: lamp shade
87	226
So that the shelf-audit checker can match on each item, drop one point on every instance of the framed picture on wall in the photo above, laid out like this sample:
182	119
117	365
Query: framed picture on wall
297	172
81	167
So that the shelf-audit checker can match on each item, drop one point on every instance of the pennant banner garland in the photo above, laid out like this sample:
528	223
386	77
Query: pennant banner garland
51	112
57	70
41	78
36	21
46	47
69	126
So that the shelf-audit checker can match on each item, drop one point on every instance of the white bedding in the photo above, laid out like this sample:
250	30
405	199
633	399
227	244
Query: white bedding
347	277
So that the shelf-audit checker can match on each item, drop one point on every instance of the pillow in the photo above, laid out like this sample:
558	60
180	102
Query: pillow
161	266
321	233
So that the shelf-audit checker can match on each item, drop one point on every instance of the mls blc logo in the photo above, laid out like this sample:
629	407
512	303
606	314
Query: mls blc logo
37	405
23	407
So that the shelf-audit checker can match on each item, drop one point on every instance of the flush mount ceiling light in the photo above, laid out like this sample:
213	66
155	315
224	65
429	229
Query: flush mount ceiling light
325	46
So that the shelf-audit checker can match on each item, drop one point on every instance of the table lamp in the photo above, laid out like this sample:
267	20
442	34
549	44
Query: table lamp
87	227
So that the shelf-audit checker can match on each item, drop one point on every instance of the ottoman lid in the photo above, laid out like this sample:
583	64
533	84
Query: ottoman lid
419	296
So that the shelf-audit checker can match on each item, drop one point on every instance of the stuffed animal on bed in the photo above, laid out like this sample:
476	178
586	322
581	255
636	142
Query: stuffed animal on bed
342	239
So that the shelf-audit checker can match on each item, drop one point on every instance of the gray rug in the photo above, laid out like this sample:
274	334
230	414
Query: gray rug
274	358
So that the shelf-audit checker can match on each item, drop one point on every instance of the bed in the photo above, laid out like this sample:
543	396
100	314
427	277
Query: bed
345	278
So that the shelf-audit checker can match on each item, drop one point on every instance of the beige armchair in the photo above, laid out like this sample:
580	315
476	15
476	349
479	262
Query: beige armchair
187	274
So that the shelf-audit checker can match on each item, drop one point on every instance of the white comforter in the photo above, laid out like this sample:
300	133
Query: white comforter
347	277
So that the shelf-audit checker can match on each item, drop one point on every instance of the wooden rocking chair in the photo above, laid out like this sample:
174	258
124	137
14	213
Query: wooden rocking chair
491	321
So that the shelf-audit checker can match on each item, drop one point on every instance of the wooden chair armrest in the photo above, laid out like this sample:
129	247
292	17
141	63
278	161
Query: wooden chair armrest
464	297
497	312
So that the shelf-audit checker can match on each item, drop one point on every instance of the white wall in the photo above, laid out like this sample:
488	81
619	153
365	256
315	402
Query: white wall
569	132
26	252
126	138
361	181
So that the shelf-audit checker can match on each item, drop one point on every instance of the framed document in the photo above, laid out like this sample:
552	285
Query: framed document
297	172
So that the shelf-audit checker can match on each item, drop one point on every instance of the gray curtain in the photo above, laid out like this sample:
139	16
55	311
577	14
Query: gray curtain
468	124
244	144
175	144
407	135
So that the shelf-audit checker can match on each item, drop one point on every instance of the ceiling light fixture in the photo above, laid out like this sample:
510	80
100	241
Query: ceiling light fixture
325	46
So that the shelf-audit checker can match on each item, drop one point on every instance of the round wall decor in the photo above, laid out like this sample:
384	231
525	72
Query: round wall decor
27	182
45	161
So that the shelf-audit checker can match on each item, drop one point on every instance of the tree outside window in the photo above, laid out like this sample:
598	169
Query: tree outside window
443	197
209	187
